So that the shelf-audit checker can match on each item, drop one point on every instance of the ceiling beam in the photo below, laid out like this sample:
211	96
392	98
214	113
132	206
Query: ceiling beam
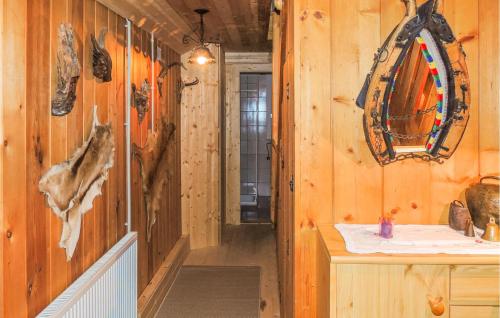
154	16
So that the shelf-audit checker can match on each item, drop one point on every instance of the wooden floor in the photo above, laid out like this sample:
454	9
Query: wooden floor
243	245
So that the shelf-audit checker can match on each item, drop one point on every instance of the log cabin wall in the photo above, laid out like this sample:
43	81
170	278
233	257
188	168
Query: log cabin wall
201	156
33	267
167	229
342	36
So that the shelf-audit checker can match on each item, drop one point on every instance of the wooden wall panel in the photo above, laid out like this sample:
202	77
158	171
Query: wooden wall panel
359	191
200	153
449	180
34	268
38	130
75	121
312	132
87	234
167	229
14	157
358	183
489	87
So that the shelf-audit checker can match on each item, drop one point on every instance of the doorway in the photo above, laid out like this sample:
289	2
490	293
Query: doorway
255	147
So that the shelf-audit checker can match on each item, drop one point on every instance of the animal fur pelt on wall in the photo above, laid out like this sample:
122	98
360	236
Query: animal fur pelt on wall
101	60
153	162
71	186
68	72
140	99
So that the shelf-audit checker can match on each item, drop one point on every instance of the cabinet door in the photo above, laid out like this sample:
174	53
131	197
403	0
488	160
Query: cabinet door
391	290
474	311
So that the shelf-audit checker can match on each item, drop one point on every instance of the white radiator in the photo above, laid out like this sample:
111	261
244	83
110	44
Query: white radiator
107	289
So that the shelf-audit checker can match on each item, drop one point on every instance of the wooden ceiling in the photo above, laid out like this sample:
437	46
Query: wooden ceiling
241	25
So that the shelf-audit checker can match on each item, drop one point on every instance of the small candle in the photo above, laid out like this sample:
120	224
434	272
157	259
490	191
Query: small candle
386	226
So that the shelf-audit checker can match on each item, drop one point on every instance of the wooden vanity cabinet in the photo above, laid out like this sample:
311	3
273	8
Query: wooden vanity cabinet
387	286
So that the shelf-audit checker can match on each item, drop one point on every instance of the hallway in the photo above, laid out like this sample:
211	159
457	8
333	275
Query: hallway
246	245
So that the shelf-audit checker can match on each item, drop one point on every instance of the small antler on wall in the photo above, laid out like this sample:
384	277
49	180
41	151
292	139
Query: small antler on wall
164	72
181	85
101	60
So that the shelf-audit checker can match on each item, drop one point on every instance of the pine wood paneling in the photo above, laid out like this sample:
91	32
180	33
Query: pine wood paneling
200	109
34	267
489	87
87	234
58	153
313	153
75	132
38	130
334	169
14	113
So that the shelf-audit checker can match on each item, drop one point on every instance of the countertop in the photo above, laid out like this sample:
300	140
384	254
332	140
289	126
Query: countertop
333	244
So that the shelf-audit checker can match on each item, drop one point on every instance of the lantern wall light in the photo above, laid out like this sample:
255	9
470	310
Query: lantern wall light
201	53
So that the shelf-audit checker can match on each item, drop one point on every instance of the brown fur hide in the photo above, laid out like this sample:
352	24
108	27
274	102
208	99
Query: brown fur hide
153	161
68	72
71	186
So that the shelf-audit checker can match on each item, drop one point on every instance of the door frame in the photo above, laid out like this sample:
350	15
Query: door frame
237	63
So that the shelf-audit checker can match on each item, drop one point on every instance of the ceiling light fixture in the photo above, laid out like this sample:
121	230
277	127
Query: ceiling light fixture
201	53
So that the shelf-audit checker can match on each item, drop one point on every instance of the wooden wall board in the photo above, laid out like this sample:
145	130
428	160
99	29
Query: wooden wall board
200	153
113	181
449	180
34	267
87	234
58	153
313	149
101	100
358	190
14	157
357	184
489	87
38	130
75	131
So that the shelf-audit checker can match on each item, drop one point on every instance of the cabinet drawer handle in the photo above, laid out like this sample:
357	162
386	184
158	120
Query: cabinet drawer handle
437	305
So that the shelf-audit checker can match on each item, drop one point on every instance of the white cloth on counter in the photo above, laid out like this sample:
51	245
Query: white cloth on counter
414	239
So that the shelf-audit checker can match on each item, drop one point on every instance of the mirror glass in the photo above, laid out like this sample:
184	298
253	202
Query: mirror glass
414	98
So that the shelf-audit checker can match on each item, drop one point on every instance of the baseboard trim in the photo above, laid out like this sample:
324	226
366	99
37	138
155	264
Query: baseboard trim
150	300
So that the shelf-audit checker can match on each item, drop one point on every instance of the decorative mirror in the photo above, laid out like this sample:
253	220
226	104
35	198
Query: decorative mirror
416	97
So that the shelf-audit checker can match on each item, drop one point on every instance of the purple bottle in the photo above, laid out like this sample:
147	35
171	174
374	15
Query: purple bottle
386	226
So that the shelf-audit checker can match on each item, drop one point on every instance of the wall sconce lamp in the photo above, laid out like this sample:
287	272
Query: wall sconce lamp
201	54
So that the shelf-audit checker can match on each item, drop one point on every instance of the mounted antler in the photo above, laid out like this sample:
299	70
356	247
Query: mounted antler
101	60
163	73
181	85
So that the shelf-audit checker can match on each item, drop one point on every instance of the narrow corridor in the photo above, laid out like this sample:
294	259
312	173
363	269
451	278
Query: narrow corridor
245	245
